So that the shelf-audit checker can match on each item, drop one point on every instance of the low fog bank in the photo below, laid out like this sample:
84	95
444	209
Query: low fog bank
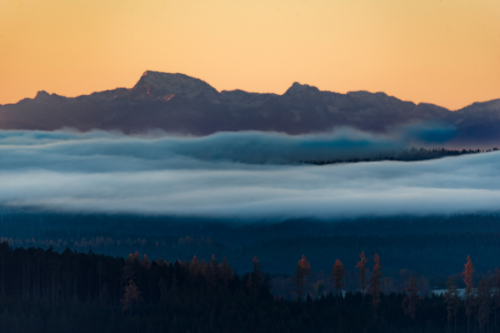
38	149
158	149
247	175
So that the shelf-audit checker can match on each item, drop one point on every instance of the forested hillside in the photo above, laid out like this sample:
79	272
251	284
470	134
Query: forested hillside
433	246
46	291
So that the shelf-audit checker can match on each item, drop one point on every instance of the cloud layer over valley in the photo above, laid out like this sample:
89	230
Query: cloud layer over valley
248	174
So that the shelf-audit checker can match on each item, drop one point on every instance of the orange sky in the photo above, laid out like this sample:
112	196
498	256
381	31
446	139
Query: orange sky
445	52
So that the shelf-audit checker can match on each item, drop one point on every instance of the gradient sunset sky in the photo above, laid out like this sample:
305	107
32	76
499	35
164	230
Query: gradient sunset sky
444	52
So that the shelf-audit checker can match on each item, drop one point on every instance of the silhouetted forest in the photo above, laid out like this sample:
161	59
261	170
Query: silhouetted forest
46	291
406	155
433	246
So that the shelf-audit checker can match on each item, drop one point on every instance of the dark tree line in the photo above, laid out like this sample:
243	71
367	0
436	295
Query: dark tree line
406	155
400	240
58	278
46	291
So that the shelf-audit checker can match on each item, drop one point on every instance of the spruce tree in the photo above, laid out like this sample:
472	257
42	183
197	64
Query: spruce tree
411	299
452	301
375	284
496	292
483	303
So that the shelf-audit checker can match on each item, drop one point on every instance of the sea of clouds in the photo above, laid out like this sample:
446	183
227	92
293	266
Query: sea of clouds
244	175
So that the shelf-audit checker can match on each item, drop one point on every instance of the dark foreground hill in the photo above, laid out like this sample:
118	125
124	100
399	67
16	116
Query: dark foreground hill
71	273
182	104
44	291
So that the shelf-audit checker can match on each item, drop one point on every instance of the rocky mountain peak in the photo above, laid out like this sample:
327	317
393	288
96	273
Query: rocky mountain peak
42	94
166	85
301	89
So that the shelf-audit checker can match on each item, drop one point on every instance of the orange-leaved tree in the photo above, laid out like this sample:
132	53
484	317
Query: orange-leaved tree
337	276
132	295
468	274
299	279
361	266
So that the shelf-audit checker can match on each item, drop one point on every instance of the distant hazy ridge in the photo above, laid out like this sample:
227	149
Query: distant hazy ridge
182	104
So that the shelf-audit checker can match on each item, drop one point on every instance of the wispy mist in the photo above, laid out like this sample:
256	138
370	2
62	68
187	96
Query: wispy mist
236	175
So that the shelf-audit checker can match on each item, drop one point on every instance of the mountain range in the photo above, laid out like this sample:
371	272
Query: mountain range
181	104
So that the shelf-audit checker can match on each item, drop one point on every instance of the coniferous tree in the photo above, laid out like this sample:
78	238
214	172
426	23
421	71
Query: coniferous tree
337	276
411	299
212	272
468	274
4	250
361	266
54	302
496	292
483	303
145	262
255	280
128	272
100	271
302	270
104	295
452	301
131	295
375	284
226	272
163	289
195	267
